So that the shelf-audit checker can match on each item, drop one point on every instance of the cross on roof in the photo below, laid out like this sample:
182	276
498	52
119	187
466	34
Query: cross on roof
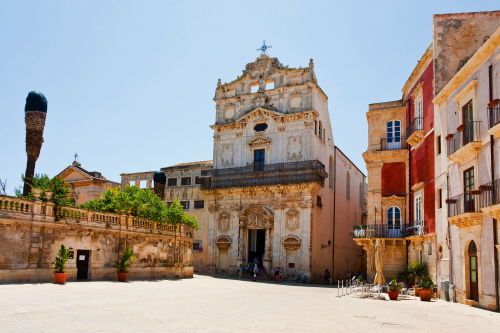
263	48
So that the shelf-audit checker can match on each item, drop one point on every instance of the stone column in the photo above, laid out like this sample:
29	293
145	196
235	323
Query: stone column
267	256
241	245
211	239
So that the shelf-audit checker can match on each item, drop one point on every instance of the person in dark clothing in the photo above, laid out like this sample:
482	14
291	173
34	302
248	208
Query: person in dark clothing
326	277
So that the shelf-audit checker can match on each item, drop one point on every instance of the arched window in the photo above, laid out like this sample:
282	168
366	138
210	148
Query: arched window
348	186
320	129
330	175
473	273
394	222
393	134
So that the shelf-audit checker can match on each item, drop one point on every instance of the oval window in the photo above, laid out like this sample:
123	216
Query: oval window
260	127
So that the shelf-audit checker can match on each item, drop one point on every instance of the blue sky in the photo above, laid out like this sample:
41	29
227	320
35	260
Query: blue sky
130	84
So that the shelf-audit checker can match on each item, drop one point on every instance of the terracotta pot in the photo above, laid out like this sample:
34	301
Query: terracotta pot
426	294
60	277
122	277
393	295
417	290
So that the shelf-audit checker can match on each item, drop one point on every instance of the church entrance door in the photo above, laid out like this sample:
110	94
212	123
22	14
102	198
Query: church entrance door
256	245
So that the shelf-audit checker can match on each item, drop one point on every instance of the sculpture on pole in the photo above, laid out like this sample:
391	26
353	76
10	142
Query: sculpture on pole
35	112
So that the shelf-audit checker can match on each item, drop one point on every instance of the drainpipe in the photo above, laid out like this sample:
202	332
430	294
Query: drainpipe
495	225
334	197
450	244
409	185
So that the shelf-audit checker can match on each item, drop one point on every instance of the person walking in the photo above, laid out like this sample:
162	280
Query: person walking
255	271
240	270
276	275
280	274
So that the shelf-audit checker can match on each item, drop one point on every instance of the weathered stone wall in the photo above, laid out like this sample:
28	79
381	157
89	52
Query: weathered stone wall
29	244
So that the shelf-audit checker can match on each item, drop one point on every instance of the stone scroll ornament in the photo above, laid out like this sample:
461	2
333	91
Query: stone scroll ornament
35	112
159	180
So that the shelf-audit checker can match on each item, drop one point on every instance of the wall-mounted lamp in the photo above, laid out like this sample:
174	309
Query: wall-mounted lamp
329	243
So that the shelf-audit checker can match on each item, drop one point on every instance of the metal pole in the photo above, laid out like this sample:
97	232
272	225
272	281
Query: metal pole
338	290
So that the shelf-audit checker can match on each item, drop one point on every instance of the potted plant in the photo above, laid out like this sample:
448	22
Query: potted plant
393	289
123	264
417	269
60	263
426	287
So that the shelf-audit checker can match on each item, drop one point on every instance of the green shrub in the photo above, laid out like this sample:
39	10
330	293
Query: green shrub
124	263
61	259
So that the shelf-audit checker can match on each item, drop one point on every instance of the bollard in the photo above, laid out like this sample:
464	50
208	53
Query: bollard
338	289
342	287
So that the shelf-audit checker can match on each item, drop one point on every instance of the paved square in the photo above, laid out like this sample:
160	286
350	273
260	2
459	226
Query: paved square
208	304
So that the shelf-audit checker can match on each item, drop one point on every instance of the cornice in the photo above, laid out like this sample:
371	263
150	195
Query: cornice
385	156
417	89
375	113
470	86
309	187
418	70
481	55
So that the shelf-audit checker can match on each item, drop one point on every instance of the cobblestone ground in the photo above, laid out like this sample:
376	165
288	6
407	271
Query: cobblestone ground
209	304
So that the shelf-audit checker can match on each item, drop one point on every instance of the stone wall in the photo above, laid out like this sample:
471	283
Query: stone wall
30	238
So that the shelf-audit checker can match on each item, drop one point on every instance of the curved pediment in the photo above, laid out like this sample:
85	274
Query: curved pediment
256	217
291	242
258	113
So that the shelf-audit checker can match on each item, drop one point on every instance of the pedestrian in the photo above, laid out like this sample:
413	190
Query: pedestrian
276	275
348	275
255	270
240	270
326	277
280	275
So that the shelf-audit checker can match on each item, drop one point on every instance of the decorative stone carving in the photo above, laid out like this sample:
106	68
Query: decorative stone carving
259	141
235	207
256	217
279	205
295	103
212	208
292	219
227	155
223	242
291	243
224	221
306	204
294	148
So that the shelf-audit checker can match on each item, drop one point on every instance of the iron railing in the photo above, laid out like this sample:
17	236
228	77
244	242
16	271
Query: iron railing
396	143
463	203
377	231
490	194
416	228
416	125
269	174
493	116
470	132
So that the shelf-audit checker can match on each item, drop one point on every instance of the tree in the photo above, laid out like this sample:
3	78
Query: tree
35	112
60	192
141	203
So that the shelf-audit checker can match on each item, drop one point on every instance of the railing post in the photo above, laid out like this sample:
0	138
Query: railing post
49	208
37	207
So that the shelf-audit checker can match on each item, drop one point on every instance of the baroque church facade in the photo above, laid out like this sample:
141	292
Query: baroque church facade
278	189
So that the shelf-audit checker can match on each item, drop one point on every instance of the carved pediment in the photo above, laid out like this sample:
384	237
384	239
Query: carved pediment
258	113
259	141
256	217
291	242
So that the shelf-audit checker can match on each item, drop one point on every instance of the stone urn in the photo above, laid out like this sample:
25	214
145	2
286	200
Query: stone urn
425	294
36	192
393	295
48	195
122	277
61	278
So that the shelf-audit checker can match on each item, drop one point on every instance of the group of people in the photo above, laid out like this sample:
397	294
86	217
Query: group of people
252	268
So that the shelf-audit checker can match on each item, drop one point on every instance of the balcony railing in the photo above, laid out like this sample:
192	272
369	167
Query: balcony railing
416	125
490	194
377	231
416	228
463	203
269	174
466	133
396	143
493	116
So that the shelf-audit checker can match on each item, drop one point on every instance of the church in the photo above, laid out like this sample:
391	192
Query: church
278	189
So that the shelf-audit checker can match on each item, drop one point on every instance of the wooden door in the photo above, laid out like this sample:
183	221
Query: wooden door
223	260
82	264
474	295
469	200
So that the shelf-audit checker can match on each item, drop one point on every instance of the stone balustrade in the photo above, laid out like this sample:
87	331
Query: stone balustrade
46	209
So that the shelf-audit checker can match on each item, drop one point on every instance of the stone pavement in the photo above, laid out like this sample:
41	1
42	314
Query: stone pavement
210	304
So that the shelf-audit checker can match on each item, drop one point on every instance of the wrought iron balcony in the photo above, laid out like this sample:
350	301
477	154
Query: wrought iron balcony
377	231
494	118
465	142
415	132
269	174
395	143
416	228
489	194
464	203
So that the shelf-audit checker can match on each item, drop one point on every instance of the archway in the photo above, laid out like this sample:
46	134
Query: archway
473	272
223	244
